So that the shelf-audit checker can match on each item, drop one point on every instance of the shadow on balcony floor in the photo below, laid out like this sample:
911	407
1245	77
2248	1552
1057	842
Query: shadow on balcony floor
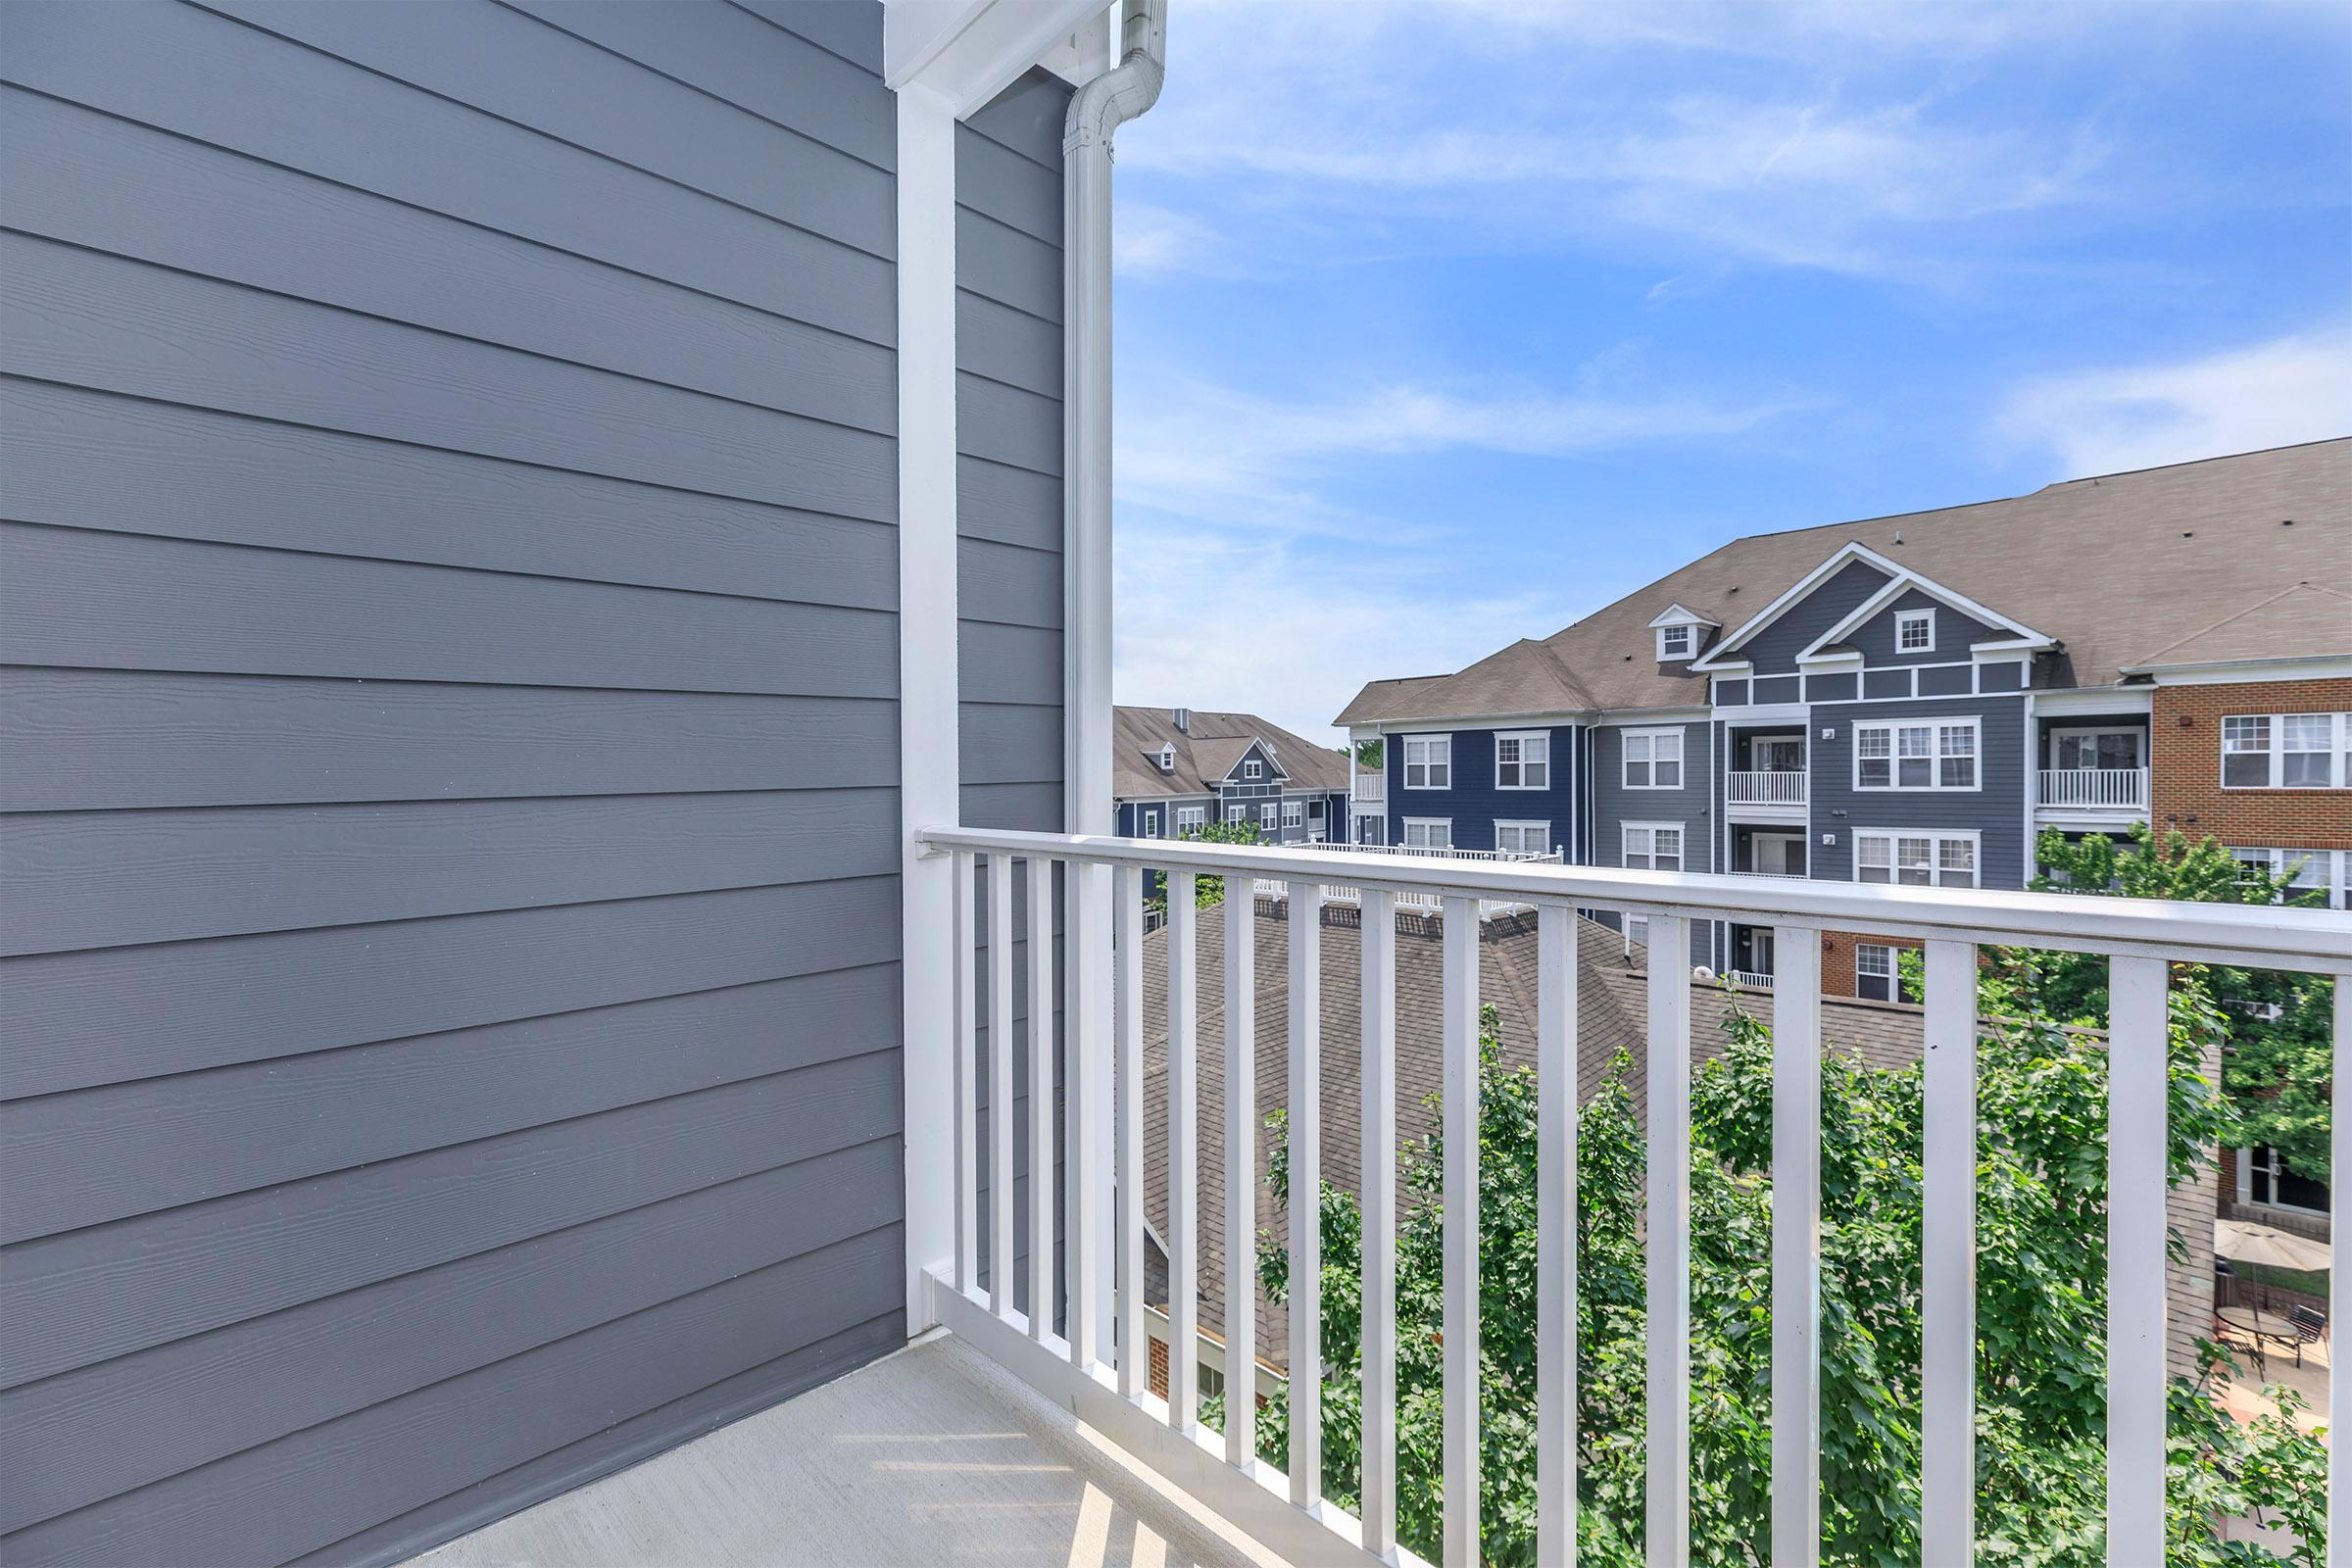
932	1456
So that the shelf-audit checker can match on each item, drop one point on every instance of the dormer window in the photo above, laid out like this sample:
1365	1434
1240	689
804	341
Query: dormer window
1677	642
1168	759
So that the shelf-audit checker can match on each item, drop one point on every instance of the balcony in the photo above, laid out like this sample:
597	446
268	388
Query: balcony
1083	1350
1371	789
1772	792
2094	792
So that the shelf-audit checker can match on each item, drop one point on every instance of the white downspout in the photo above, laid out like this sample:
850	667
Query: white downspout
1096	111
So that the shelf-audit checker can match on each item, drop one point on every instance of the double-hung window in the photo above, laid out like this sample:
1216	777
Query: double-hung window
1191	816
1674	642
2287	751
1429	832
1903	756
1655	846
1915	631
1236	813
1428	761
1916	860
1653	758
1523	762
1293	813
1149	827
1874	972
1269	816
1522	838
2311	872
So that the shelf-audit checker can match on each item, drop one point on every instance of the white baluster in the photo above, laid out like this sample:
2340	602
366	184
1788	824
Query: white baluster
1184	1327
1947	1517
1667	1243
1460	1113
1040	1097
1135	1350
1556	1090
967	1058
2136	1183
1379	1157
1306	1194
1085	1072
999	1085
1240	1174
1797	1247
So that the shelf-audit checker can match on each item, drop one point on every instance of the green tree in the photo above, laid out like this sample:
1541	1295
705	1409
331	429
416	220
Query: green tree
2042	1272
1210	891
1368	753
2276	1066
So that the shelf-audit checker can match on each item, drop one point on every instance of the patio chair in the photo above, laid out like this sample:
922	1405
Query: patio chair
2310	1325
2236	1338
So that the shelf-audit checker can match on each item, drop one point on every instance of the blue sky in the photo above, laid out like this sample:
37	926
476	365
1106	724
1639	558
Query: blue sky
1442	324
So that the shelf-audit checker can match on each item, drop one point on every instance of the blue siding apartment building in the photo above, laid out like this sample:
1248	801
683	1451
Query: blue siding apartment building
1911	699
1183	768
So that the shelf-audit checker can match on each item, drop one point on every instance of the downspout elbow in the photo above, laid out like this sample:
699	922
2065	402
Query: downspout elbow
1099	108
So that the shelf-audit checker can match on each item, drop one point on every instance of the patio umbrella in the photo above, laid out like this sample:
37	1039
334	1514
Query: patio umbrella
2244	1242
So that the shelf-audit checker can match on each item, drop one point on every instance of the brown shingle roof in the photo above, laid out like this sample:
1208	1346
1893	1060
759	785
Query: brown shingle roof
2114	566
1206	752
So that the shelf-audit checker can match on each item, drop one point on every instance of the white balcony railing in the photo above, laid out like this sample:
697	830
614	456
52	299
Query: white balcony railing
1371	789
1416	902
2108	789
1784	787
1748	979
1100	1369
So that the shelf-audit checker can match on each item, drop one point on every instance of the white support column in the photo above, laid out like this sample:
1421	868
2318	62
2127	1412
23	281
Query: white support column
1306	1194
1240	1174
1184	1232
1796	1247
1459	1077
2339	1290
1947	1516
1135	1351
2137	1117
1556	1090
1667	1240
928	769
1379	1162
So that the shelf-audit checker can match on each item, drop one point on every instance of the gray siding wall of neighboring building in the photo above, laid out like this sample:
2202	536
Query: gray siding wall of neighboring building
451	969
1691	807
1010	535
1954	632
1994	809
1773	650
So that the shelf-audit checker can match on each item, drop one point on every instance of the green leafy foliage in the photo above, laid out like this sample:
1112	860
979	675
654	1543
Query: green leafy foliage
1210	891
2042	1271
2277	1059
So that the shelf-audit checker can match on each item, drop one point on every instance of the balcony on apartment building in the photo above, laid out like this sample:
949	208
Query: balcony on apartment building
1767	779
2093	774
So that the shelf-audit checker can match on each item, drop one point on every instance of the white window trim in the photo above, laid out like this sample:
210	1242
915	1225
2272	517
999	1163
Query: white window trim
1690	650
2339	753
1541	737
1936	838
1894	771
1149	826
2091	733
1191	816
1293	813
1443	824
1542	832
1236	813
1683	855
1405	777
1168	759
1894	975
2334	866
1681	757
1904	618
1270	815
1254	769
2245	1184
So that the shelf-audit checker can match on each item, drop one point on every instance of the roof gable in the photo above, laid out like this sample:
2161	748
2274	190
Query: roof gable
1909	585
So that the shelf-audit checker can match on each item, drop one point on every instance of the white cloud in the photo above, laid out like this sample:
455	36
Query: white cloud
1213	620
2277	393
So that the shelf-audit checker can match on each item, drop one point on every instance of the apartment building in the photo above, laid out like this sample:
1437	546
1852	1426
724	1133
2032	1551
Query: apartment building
1914	699
1183	768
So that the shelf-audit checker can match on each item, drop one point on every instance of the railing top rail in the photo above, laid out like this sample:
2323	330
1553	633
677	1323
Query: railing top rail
2260	936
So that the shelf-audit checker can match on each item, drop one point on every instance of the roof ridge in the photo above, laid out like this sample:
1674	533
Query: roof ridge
2235	614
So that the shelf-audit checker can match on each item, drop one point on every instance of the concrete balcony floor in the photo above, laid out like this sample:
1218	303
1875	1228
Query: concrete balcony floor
932	1456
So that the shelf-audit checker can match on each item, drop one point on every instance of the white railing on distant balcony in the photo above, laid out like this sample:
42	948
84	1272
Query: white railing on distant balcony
1748	979
1104	1376
2111	789
1371	788
1784	787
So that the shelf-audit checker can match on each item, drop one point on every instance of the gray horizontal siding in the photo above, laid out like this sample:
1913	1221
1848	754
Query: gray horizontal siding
1994	809
1773	650
1009	551
448	752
